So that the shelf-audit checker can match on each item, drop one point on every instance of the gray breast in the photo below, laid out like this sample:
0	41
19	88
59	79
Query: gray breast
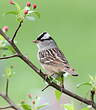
47	45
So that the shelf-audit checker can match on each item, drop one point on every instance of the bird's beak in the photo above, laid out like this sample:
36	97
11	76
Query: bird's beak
35	41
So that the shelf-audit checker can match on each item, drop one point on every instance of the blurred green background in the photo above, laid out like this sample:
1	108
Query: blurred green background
72	23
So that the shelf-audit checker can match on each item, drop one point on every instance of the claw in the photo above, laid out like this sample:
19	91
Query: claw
46	76
62	88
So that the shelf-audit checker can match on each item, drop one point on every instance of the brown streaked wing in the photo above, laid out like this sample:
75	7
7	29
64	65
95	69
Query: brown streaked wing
52	56
60	56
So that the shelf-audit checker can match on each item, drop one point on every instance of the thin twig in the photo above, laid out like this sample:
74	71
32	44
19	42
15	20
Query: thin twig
7	57
92	95
45	87
7	87
5	107
40	73
10	102
16	31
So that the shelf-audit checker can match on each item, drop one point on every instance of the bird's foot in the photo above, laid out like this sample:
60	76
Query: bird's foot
62	88
47	76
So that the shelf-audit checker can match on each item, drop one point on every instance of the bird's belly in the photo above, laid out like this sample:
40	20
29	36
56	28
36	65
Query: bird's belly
53	68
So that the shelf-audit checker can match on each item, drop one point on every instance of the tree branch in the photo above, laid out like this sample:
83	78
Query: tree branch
92	95
10	102
16	31
5	107
7	57
45	87
40	73
65	91
7	87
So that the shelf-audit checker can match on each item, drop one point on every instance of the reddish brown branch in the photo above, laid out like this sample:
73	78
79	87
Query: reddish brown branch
7	87
1	108
40	73
92	95
45	87
65	91
7	57
10	102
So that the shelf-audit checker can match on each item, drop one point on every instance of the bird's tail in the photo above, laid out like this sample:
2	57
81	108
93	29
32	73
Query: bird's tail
72	72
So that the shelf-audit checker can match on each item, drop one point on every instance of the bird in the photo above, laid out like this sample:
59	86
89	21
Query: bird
52	58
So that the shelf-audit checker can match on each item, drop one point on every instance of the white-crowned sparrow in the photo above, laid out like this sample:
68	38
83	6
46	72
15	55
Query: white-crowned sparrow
50	56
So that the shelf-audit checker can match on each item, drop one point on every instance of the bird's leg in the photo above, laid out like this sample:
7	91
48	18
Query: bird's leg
49	77
62	82
46	76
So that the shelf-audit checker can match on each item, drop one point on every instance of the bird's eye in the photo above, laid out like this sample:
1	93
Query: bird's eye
67	67
42	39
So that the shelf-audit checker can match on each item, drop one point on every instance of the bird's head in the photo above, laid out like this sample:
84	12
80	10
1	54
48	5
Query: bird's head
44	41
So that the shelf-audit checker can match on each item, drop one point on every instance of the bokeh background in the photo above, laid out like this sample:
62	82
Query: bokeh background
72	23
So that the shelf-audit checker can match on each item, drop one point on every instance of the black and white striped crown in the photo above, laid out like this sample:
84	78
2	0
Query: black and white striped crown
44	36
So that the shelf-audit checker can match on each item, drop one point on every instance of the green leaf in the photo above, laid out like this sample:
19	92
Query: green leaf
34	12
4	45
59	78
26	106
41	106
91	77
58	94
85	108
68	107
37	14
8	73
17	6
11	12
1	37
20	16
10	48
84	83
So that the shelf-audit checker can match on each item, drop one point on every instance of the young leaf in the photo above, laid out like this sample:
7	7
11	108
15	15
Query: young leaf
20	16
1	37
91	77
34	12
10	48
68	107
17	6
4	45
58	94
26	106
37	14
41	106
84	83
11	12
85	108
8	73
